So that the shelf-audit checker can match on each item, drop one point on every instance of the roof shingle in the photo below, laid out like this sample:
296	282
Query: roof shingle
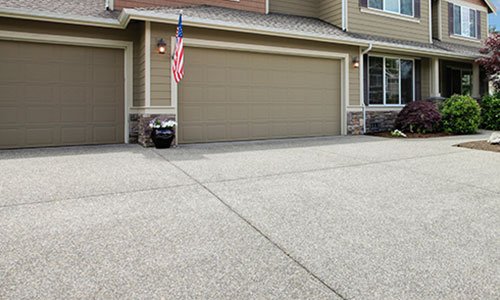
94	10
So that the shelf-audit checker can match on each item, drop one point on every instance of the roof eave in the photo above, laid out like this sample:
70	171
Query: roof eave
201	23
491	6
130	14
173	19
51	17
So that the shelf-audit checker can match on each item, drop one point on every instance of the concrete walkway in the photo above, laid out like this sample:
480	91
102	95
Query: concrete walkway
320	218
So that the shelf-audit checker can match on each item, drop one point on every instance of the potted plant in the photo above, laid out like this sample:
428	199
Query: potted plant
163	132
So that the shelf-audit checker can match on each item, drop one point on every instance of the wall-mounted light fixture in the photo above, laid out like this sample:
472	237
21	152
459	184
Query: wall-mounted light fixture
162	46
355	62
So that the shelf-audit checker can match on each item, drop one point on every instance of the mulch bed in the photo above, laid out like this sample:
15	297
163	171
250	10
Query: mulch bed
480	145
387	134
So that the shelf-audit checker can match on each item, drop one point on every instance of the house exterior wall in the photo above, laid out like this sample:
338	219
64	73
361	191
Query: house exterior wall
425	84
331	11
161	82
327	10
436	25
374	22
249	5
446	37
140	67
307	8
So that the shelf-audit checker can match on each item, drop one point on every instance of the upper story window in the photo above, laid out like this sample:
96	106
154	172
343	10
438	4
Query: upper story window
403	7
464	21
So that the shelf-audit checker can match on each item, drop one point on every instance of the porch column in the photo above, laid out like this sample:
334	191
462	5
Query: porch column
475	81
435	78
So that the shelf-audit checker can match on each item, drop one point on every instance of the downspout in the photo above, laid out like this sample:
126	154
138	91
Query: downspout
370	46
110	5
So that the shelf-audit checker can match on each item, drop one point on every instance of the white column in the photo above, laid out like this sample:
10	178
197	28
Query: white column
435	77
475	80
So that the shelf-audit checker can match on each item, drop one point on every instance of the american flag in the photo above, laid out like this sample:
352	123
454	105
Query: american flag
178	63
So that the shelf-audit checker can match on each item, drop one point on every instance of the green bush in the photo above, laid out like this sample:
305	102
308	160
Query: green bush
461	115
490	112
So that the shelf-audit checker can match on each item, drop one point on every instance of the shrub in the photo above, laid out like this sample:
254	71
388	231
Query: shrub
461	115
420	117
490	112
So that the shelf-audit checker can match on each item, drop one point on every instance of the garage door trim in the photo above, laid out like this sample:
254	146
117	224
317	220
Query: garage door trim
86	42
211	44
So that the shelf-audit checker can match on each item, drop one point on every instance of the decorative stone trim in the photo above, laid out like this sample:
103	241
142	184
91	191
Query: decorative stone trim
377	121
354	123
140	133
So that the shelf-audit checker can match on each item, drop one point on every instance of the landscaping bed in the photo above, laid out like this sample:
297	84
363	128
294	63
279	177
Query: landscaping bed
388	134
480	145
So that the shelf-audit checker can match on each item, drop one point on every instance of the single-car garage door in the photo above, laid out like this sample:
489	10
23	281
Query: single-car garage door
233	95
53	95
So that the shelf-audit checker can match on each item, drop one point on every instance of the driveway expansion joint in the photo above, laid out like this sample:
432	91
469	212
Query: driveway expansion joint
97	195
256	229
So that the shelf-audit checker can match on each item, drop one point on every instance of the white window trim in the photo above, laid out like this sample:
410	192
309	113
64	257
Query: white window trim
384	57
382	13
461	35
392	12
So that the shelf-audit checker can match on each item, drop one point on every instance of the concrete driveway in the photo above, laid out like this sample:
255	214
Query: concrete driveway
322	218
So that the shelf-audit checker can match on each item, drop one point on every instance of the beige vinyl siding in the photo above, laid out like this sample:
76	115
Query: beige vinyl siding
308	8
331	11
160	69
426	78
446	34
387	26
436	6
139	68
160	80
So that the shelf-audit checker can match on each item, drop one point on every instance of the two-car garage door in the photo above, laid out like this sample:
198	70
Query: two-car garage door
52	95
236	95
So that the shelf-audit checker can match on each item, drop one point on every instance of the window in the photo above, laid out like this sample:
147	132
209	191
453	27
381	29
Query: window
391	81
464	21
403	7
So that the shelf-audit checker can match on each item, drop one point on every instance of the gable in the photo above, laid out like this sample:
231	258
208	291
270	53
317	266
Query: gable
485	3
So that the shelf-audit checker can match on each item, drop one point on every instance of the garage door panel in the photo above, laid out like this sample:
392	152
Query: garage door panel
41	72
104	133
257	96
106	95
259	130
75	114
10	137
192	113
8	114
215	112
211	94
259	112
56	98
239	94
42	114
216	132
237	130
73	135
238	112
214	75
104	74
72	73
39	136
